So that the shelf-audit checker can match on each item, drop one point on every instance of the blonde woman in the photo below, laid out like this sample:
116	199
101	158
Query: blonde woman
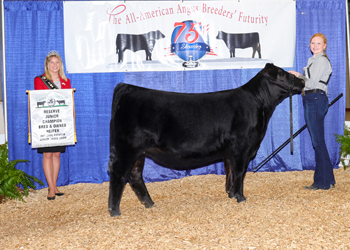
53	78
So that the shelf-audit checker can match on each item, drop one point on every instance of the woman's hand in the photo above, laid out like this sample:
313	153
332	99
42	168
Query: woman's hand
294	73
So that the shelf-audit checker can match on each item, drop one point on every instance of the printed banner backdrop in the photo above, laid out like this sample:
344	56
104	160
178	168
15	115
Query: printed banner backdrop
119	36
51	115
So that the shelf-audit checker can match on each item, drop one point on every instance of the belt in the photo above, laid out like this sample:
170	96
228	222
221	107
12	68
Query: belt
306	92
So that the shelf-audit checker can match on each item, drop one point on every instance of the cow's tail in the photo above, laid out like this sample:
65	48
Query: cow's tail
119	90
117	93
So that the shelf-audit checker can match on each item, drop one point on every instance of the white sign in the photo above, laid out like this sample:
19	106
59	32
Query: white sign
52	121
115	36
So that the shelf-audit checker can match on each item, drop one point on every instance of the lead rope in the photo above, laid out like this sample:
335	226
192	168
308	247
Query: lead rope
291	122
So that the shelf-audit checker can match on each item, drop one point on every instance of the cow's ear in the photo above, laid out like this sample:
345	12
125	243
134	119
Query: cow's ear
270	72
267	69
268	65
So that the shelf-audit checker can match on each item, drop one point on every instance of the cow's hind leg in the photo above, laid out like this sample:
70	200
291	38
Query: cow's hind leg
119	172
116	186
137	183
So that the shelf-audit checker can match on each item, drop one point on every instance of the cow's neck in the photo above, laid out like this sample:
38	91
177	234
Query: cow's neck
258	89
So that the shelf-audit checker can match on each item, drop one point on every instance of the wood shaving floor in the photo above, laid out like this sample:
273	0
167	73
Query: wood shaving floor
190	213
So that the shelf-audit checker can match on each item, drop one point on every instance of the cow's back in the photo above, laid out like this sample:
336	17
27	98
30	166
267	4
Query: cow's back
131	42
175	119
245	40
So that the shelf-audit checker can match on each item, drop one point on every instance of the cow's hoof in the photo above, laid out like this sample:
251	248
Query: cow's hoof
240	199
231	195
115	213
149	205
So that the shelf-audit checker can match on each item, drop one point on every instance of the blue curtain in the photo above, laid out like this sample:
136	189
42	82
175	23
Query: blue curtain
32	28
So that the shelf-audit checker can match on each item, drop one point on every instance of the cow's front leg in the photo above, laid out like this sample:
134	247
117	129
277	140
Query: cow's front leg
254	51
235	172
256	48
239	172
232	52
229	178
148	55
259	51
137	183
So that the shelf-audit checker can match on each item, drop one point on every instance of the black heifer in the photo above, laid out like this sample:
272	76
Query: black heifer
185	131
137	42
240	41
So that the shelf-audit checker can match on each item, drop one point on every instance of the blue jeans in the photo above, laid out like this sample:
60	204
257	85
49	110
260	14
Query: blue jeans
315	109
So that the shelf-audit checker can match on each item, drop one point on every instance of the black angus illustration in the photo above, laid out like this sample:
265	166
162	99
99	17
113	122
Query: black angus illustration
61	102
40	104
137	42
241	41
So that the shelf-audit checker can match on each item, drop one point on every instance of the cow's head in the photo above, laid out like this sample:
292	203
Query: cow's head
156	34
220	35
282	78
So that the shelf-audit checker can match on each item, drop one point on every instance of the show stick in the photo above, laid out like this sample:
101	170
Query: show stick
287	141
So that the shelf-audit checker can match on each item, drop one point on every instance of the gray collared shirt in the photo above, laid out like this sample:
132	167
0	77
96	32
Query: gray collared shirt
317	73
